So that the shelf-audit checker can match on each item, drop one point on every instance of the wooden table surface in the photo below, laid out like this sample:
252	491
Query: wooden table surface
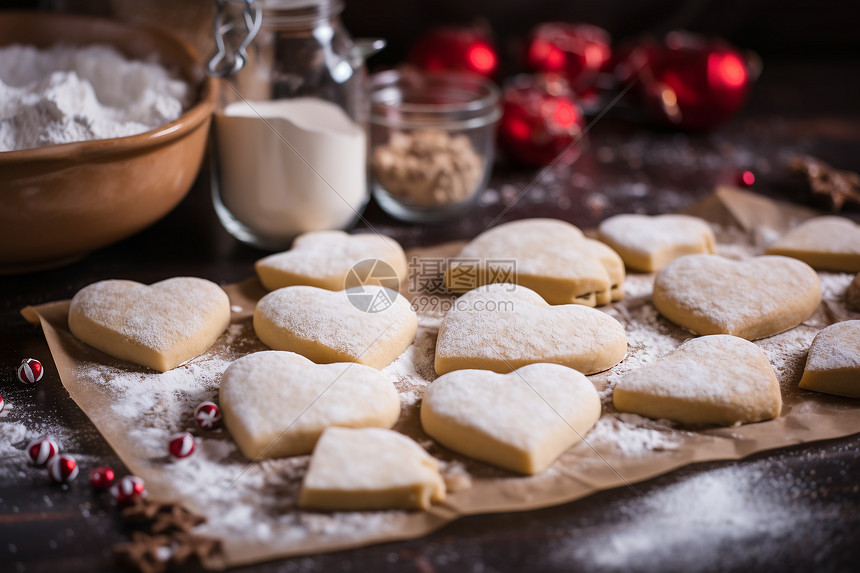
787	510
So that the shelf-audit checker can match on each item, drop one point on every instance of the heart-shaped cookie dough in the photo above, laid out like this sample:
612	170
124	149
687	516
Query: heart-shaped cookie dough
614	266
158	326
833	363
370	468
371	326
502	327
324	258
279	403
521	421
549	256
715	379
648	244
826	243
753	298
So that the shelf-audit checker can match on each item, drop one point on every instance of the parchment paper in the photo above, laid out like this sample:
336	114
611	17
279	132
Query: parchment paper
580	471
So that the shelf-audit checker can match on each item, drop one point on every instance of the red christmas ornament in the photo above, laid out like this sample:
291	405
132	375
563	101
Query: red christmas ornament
181	445
576	51
62	468
541	121
207	414
688	80
745	179
30	371
127	489
455	49
101	478
42	450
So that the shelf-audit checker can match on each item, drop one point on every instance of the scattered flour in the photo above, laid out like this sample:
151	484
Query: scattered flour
255	505
65	94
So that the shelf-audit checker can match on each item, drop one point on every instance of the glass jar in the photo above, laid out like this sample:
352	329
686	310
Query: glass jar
432	142
291	133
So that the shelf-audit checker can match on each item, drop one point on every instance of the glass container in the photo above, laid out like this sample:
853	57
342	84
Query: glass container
290	135
432	142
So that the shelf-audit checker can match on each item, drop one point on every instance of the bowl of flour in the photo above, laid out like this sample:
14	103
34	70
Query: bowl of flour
103	129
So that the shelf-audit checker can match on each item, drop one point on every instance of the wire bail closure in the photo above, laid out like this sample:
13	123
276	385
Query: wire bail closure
253	19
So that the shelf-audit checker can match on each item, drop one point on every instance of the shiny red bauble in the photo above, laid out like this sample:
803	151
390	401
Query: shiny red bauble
541	123
101	478
688	80
459	49
576	51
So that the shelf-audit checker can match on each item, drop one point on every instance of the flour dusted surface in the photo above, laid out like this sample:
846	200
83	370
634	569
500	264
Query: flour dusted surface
65	94
254	507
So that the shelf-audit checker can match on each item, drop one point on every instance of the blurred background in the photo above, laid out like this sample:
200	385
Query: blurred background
790	28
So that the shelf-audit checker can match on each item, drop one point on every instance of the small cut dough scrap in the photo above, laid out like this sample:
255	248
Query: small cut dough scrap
549	256
502	327
279	403
753	298
826	243
521	421
329	326
648	244
324	259
717	379
370	468
833	364
158	326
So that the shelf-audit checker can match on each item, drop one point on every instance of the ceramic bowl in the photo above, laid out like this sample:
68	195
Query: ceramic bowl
60	202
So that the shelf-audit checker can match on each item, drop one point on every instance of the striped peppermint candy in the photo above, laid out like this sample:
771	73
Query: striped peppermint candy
41	450
127	489
181	445
207	414
2	403
30	371
62	468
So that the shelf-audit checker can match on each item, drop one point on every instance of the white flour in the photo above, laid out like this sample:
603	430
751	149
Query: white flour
290	166
65	94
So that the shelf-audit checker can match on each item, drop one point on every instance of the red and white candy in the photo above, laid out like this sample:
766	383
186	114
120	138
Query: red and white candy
62	468
42	450
207	414
181	445
30	371
2	403
127	489
101	478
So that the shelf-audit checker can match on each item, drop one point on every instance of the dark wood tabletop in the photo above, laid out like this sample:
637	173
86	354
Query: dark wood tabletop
794	509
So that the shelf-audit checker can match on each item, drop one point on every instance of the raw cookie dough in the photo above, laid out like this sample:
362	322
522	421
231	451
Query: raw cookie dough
549	256
279	403
648	244
326	326
753	298
324	258
833	363
715	379
370	468
852	294
158	326
614	266
502	327
521	421
826	243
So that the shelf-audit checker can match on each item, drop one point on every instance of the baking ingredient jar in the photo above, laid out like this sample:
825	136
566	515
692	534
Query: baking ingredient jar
290	135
